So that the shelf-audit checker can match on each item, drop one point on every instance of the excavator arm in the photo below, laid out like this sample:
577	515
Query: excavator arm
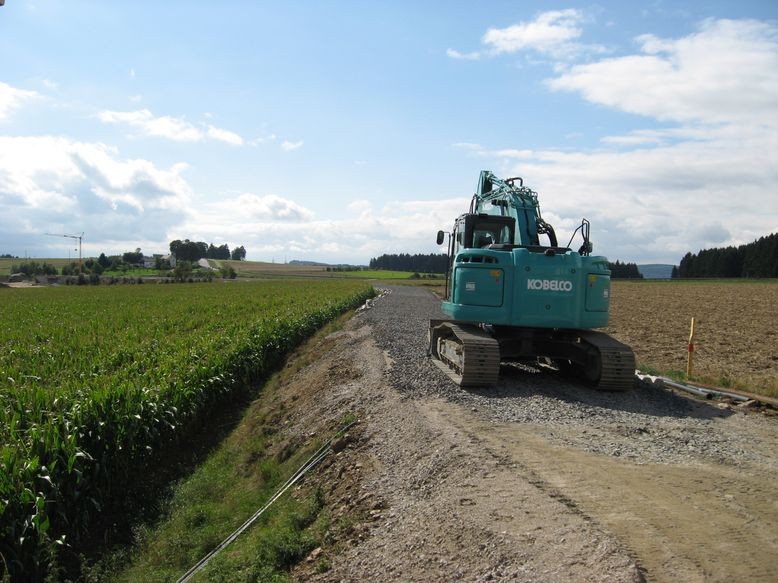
519	202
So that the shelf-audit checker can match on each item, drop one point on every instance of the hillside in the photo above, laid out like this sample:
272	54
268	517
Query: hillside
656	270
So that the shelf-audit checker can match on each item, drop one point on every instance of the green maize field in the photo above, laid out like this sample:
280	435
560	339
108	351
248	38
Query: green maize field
95	380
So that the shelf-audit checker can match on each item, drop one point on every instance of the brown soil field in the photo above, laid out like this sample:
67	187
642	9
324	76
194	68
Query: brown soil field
264	269
736	329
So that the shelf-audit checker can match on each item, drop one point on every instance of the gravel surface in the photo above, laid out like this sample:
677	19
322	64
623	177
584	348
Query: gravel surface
646	424
535	479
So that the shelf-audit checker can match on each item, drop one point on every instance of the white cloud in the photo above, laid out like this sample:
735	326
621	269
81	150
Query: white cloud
164	127
470	146
53	184
263	139
360	233
455	54
656	201
713	233
360	208
661	136
479	150
725	72
548	33
554	33
169	127
12	98
269	207
635	137
224	136
654	194
288	146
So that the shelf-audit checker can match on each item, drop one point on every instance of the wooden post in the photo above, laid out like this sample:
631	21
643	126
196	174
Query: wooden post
690	357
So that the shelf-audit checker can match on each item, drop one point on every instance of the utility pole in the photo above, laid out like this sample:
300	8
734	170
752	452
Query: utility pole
79	237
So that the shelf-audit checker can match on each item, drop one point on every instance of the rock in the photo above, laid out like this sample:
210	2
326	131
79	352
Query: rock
339	444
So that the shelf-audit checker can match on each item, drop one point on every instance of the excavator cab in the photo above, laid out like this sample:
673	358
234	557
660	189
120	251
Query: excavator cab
481	230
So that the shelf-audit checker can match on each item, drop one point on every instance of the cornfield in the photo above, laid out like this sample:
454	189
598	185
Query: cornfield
95	380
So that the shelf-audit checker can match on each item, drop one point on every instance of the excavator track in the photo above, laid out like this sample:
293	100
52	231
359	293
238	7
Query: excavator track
465	353
611	364
470	356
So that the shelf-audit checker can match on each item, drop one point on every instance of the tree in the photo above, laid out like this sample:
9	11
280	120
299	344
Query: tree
228	272
239	253
193	251
182	271
103	261
133	257
756	259
94	267
220	252
161	263
187	250
423	263
32	268
624	270
175	246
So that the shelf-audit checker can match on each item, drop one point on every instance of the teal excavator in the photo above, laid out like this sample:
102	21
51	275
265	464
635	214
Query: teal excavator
511	297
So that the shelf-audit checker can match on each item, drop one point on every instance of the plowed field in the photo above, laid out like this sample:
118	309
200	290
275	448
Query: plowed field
736	341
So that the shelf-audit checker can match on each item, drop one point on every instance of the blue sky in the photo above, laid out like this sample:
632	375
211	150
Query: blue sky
339	131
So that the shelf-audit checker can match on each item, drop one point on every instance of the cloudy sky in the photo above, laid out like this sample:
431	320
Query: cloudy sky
337	131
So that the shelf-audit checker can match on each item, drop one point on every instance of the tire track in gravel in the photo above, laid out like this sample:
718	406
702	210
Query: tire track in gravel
682	523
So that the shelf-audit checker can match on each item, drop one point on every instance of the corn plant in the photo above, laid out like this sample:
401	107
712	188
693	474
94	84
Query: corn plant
95	380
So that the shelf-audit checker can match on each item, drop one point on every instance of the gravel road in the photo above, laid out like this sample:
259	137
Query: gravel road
647	424
535	479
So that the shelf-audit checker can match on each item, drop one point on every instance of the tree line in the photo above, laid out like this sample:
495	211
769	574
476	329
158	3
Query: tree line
438	263
757	259
187	250
419	262
621	270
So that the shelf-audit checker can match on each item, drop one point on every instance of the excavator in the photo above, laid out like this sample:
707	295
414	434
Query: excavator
512	298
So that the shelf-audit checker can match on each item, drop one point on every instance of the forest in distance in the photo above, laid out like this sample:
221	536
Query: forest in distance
758	259
438	263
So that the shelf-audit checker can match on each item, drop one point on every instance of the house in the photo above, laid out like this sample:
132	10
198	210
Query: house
151	262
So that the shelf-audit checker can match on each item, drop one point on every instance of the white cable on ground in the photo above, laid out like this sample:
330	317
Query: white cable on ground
699	391
320	454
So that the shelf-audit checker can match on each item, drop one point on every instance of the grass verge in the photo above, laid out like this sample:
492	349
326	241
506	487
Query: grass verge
748	385
233	482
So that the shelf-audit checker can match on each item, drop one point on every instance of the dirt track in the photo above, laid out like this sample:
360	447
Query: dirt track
681	522
434	487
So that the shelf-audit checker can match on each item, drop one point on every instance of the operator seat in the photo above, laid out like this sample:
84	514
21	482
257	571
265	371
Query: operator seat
483	241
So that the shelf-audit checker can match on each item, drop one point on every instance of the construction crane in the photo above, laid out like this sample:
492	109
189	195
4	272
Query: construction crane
79	237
